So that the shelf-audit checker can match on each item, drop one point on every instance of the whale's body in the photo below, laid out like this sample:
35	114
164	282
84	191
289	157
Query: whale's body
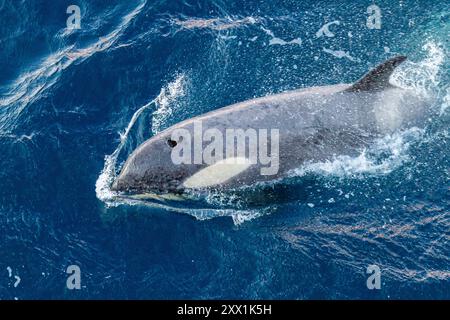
314	124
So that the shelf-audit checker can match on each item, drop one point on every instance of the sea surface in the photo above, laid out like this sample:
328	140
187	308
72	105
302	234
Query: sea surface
75	102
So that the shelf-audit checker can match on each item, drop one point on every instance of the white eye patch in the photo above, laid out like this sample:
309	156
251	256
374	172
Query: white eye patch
217	173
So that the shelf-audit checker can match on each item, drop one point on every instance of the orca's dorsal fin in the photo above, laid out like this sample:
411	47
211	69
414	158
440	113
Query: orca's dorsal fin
377	78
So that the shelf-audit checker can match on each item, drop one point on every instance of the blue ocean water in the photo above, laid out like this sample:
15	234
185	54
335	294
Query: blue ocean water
75	103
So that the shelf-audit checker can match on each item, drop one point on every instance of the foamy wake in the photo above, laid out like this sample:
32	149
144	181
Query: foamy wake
385	155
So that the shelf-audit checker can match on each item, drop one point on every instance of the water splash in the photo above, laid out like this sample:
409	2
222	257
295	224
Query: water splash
165	101
385	155
422	76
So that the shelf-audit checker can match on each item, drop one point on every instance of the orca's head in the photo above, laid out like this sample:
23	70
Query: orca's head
151	169
169	163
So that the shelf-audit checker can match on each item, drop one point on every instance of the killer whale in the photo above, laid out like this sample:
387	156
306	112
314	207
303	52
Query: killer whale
315	124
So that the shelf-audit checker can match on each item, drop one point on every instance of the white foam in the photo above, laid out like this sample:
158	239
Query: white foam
422	76
165	101
392	149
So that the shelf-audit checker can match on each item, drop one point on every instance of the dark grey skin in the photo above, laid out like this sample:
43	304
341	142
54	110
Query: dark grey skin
315	124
